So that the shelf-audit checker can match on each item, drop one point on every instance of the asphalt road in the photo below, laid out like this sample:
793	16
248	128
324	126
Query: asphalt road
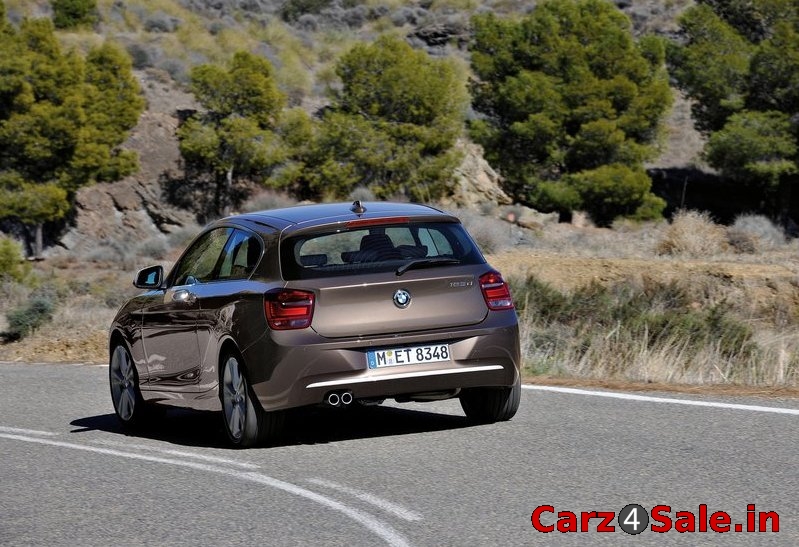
394	475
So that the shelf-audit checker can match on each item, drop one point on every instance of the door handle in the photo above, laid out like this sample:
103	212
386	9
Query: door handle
184	296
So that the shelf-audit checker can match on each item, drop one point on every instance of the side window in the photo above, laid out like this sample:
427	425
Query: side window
441	243
400	236
240	256
200	262
436	242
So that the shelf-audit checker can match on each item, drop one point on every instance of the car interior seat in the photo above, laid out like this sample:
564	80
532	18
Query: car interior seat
377	247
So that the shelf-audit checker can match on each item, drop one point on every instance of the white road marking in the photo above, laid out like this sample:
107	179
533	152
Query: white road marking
368	521
385	505
26	431
183	453
402	376
649	399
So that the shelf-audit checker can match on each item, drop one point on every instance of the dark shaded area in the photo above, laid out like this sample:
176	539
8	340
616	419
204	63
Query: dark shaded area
26	234
312	425
199	192
689	188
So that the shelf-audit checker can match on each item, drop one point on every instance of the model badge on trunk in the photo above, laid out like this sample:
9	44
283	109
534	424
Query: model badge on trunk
402	298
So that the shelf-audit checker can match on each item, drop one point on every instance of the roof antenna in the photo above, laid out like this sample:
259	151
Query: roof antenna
357	208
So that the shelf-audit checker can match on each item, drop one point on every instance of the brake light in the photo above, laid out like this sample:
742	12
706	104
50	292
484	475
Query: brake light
366	222
288	308
495	291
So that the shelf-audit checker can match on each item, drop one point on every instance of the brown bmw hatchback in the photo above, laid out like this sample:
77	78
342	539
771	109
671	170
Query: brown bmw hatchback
333	304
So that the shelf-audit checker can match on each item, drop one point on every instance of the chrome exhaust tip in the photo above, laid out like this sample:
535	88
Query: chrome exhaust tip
333	399
346	398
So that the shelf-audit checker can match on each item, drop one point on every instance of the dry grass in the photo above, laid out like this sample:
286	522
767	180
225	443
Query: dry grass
693	234
680	332
492	235
750	303
668	361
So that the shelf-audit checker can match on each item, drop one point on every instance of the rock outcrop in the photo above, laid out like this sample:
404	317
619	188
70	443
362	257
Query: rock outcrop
476	183
133	209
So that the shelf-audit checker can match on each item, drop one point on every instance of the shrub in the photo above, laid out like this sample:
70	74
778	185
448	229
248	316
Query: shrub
308	22
267	199
12	263
490	234
409	16
154	247
741	241
176	68
140	56
161	22
762	231
537	295
292	10
112	253
26	319
356	17
671	331
361	193
74	13
693	234
181	236
616	190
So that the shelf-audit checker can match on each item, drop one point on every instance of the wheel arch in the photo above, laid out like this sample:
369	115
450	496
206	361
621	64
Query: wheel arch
228	347
114	339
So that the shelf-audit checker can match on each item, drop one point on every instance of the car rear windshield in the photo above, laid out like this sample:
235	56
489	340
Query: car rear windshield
380	248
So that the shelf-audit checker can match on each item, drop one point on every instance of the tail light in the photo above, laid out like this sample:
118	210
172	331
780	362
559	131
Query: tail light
289	309
495	291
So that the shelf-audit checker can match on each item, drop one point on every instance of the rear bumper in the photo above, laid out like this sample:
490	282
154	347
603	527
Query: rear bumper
305	367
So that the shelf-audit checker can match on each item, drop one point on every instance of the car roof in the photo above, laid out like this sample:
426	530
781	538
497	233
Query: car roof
300	217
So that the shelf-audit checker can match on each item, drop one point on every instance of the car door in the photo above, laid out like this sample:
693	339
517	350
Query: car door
170	326
223	297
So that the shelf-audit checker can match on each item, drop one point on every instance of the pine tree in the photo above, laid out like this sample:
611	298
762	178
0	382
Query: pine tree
391	127
234	138
567	91
62	121
740	63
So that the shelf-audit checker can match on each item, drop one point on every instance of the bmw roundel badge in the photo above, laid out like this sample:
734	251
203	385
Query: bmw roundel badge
402	298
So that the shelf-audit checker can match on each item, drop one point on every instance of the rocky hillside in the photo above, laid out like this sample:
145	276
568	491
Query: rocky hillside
136	206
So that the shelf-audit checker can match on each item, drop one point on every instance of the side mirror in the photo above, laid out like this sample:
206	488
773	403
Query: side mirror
149	278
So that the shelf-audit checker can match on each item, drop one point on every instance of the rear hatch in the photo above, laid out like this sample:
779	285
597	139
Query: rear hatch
377	304
387	279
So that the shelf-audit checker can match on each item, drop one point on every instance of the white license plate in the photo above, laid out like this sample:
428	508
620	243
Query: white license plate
407	356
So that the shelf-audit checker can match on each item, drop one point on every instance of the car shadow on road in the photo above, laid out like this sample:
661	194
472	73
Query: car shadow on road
304	426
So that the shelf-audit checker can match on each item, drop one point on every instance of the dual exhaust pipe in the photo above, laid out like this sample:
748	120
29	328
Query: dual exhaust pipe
339	398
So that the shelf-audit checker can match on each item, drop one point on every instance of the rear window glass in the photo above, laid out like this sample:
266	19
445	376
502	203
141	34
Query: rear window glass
376	249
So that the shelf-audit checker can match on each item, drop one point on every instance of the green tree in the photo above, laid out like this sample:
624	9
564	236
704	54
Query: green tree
62	121
233	139
12	263
712	66
616	190
391	127
112	104
567	90
757	148
740	62
74	13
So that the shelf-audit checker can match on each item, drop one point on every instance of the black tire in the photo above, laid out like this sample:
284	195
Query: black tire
126	395
486	405
246	423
